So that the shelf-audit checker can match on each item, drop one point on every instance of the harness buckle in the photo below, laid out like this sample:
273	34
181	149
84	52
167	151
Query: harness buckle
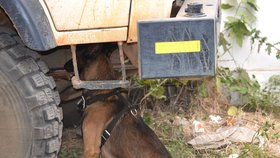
133	112
81	104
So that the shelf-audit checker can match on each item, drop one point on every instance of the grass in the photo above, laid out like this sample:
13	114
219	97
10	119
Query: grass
71	153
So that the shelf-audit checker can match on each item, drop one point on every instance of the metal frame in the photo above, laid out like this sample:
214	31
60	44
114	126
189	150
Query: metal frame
93	85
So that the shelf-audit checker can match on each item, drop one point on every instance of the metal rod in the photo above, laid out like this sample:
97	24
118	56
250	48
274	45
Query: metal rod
120	45
74	59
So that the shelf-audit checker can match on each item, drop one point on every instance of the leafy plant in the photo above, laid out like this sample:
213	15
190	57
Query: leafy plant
276	136
73	153
179	149
156	88
252	150
268	131
238	81
240	25
203	90
264	130
253	98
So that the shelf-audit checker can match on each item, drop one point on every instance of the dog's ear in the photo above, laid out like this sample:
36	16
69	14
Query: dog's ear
108	48
87	53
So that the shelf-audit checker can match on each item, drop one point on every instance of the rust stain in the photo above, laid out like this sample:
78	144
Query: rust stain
61	40
4	19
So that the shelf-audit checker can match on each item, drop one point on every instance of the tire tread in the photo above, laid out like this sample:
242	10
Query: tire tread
25	67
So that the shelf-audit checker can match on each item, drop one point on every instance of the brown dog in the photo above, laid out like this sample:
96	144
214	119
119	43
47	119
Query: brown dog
129	137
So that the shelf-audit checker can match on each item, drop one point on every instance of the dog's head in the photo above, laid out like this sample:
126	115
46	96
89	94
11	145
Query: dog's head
93	62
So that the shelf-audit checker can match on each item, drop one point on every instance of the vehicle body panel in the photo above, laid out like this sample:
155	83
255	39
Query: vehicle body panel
88	14
106	29
147	9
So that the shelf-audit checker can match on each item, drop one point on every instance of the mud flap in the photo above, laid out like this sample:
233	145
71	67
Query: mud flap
184	46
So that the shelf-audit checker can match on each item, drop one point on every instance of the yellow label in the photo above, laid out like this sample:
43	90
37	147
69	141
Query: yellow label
177	47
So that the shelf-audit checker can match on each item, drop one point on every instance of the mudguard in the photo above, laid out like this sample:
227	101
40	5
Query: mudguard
31	23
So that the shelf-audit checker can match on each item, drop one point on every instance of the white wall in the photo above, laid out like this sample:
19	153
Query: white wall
259	64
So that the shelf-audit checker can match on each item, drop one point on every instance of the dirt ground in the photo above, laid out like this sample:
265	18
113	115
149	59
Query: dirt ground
72	143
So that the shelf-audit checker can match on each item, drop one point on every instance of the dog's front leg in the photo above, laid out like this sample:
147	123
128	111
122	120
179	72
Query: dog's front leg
93	125
91	140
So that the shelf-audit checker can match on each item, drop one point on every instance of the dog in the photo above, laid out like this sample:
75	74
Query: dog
111	126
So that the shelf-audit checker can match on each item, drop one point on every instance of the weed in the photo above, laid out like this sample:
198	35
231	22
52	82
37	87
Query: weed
238	26
156	88
147	118
179	149
276	136
202	89
268	130
264	130
249	92
252	150
73	153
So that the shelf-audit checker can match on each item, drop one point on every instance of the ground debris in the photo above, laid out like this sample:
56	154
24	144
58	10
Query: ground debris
225	136
212	140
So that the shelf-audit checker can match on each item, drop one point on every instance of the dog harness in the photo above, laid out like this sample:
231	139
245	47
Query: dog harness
85	101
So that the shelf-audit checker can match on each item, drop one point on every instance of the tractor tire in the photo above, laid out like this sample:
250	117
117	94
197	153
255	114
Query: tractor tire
30	119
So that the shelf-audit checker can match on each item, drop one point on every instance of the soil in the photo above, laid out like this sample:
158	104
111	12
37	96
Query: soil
72	143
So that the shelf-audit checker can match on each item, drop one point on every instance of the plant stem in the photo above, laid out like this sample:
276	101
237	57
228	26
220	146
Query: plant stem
148	94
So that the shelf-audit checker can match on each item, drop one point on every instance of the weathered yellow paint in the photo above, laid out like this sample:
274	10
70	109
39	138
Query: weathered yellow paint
146	9
96	21
92	36
83	36
177	47
88	14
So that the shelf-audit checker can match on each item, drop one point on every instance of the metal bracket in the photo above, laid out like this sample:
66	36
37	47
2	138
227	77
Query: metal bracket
93	85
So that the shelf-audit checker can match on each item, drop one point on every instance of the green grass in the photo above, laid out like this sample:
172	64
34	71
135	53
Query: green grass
70	153
179	149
